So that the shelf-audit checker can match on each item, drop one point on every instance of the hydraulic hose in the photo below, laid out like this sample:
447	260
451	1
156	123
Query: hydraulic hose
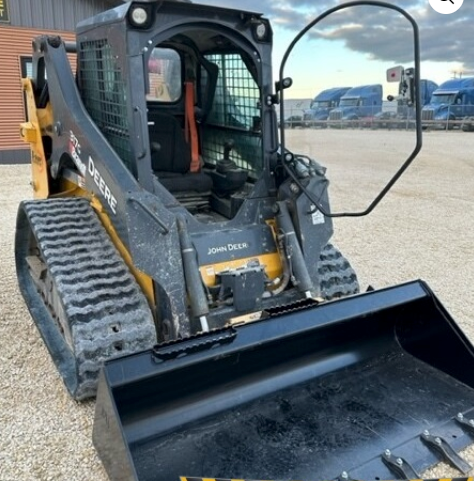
275	288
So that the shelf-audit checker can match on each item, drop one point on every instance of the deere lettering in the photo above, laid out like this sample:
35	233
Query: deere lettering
103	187
227	248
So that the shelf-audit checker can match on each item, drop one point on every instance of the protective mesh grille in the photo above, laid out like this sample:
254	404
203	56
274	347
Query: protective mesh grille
235	114
103	92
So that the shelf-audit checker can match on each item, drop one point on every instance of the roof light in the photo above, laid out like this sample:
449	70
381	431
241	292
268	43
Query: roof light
139	16
261	31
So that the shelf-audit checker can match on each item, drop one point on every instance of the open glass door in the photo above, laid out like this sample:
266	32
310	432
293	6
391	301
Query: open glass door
345	105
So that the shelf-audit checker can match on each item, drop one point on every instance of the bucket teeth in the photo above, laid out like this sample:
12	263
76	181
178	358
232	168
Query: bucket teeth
466	423
441	447
399	466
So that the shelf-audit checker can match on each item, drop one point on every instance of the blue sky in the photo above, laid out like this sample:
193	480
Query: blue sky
356	47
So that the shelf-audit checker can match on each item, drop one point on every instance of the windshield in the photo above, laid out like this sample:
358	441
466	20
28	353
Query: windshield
321	104
349	102
443	98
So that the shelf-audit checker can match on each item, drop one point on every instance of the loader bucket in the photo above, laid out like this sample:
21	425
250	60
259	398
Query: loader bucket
374	386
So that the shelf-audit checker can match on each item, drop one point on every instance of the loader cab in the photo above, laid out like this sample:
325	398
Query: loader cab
204	122
188	121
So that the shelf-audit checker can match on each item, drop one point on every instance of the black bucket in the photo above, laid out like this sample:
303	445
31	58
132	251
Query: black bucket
375	386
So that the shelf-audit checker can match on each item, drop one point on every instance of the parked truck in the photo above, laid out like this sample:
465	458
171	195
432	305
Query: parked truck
403	115
451	102
357	103
322	105
427	88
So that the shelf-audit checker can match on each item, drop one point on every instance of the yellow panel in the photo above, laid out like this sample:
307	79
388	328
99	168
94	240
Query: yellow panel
31	132
68	188
272	263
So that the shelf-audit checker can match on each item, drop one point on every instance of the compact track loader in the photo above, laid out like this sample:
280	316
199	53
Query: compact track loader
177	254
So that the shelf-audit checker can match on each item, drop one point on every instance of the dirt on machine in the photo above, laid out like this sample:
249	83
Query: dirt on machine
177	260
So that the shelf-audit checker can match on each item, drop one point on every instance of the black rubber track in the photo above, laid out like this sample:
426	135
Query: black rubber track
105	312
337	277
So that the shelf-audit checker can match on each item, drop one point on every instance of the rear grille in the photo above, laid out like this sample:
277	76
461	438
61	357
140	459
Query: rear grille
103	91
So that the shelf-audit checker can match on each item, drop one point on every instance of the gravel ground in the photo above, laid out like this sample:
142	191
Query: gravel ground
423	229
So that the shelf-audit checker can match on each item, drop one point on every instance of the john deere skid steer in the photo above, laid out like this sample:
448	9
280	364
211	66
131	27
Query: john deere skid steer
177	255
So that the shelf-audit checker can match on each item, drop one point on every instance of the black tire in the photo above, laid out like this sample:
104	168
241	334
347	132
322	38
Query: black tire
337	277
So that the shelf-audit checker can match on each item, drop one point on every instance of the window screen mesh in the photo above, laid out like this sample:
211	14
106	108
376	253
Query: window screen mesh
103	92
235	114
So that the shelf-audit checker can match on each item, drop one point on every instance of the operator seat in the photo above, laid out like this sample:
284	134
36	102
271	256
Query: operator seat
171	156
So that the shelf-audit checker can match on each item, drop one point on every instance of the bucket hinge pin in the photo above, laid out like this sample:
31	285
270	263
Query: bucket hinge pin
448	453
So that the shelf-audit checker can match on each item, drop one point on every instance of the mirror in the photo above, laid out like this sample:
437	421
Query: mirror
345	66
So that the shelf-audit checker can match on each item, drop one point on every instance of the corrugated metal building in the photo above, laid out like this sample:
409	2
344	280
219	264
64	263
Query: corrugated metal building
20	22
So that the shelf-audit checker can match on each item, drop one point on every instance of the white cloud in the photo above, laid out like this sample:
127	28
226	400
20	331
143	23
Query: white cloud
444	38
